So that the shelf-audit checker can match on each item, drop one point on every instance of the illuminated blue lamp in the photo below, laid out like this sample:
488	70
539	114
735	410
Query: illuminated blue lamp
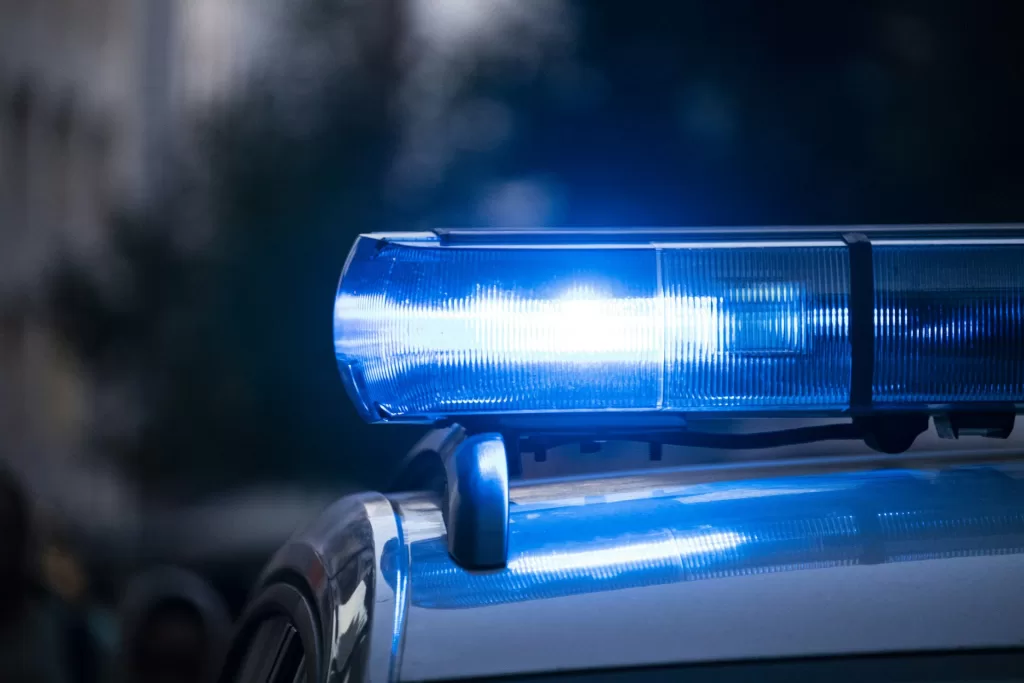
949	322
427	327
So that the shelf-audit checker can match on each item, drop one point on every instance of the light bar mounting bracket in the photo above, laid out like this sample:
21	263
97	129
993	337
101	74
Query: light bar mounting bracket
476	505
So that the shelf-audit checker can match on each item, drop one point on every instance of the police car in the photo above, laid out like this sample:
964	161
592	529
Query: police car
884	561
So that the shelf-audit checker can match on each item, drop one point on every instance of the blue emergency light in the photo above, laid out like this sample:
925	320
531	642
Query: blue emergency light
458	324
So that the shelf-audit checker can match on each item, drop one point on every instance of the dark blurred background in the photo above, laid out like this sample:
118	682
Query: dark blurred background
182	179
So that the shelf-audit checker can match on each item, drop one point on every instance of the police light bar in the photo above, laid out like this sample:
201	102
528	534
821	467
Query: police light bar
826	321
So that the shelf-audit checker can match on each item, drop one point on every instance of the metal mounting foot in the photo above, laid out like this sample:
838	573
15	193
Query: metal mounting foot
477	502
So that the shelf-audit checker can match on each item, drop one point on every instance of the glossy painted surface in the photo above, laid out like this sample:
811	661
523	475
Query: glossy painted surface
359	599
789	566
654	568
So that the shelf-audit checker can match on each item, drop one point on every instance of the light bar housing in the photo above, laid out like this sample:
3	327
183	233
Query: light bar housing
824	321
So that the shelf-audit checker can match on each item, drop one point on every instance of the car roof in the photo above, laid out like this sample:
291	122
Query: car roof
716	564
833	557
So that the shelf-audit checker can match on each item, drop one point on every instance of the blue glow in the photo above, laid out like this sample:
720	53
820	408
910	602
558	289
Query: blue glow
424	330
606	562
731	529
782	338
949	323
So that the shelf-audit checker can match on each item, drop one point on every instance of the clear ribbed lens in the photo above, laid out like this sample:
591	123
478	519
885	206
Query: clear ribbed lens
424	330
949	323
751	327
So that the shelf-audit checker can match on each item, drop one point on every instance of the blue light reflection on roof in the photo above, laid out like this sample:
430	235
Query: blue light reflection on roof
786	524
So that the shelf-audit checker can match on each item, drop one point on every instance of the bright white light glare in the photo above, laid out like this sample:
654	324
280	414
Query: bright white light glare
610	562
580	326
742	493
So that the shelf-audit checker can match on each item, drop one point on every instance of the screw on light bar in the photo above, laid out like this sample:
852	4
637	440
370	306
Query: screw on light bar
475	324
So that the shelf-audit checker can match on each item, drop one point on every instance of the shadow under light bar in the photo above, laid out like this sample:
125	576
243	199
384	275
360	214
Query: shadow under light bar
428	326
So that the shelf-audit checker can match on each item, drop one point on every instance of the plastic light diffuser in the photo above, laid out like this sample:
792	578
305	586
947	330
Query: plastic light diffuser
426	327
